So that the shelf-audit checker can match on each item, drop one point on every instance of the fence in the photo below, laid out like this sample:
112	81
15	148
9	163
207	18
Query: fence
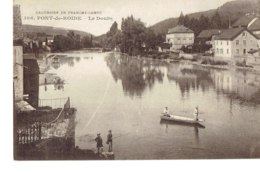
39	130
30	134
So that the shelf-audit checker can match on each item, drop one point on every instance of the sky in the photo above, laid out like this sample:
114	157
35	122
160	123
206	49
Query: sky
149	11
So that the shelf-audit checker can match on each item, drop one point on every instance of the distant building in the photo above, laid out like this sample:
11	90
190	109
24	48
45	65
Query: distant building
251	22
206	38
235	42
50	40
179	36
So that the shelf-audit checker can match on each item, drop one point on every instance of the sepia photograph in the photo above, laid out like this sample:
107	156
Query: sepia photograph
136	80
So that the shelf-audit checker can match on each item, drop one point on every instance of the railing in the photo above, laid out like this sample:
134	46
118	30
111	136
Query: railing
53	103
39	130
30	134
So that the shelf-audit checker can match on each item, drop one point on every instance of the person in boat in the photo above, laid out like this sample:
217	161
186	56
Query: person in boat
166	112
109	141
99	141
196	113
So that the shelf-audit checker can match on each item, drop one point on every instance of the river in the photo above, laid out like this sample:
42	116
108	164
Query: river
127	95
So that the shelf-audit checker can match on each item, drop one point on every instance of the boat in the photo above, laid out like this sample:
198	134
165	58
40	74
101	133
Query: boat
175	123
181	119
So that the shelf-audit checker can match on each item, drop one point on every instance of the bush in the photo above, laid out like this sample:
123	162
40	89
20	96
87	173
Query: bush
243	64
213	62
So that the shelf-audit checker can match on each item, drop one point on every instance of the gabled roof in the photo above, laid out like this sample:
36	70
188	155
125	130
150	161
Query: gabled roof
207	34
258	36
232	33
255	26
243	21
180	29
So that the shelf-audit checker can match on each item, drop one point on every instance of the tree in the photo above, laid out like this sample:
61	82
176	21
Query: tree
216	20
181	19
133	35
186	21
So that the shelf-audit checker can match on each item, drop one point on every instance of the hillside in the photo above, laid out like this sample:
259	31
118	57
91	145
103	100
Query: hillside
50	30
234	9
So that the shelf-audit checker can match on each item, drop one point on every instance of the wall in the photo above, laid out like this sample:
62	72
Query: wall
18	72
179	39
251	43
246	41
223	49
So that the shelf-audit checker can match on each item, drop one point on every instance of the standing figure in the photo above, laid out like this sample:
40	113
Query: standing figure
166	112
109	141
99	141
196	113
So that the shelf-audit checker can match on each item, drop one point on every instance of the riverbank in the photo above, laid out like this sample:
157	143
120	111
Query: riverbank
59	147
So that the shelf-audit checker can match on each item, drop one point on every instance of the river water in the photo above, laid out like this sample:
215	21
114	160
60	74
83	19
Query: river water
127	95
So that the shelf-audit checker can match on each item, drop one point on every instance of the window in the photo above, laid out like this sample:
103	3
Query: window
227	42
221	51
178	38
217	51
184	38
244	33
244	42
220	42
237	42
227	51
169	40
237	51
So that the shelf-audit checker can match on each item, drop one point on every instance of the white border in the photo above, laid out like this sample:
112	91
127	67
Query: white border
6	124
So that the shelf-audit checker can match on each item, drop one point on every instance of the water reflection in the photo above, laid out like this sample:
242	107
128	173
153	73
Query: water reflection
189	77
59	60
135	74
196	127
241	85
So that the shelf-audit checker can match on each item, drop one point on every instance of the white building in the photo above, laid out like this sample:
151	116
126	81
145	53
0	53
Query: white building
179	36
252	23
235	42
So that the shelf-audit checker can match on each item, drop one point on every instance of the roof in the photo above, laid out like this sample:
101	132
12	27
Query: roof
208	33
243	21
180	29
230	34
42	38
258	36
255	26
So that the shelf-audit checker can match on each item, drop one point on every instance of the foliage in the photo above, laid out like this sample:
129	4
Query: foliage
213	62
133	38
71	42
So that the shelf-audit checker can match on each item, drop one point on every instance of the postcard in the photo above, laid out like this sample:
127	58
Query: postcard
136	80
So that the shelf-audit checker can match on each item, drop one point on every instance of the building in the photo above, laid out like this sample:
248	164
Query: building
251	22
17	54
235	42
179	36
206	38
31	81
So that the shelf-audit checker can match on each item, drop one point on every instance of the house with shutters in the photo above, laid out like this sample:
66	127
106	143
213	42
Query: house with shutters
179	36
251	22
235	42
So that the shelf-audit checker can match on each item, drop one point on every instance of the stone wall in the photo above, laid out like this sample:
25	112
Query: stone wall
18	72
